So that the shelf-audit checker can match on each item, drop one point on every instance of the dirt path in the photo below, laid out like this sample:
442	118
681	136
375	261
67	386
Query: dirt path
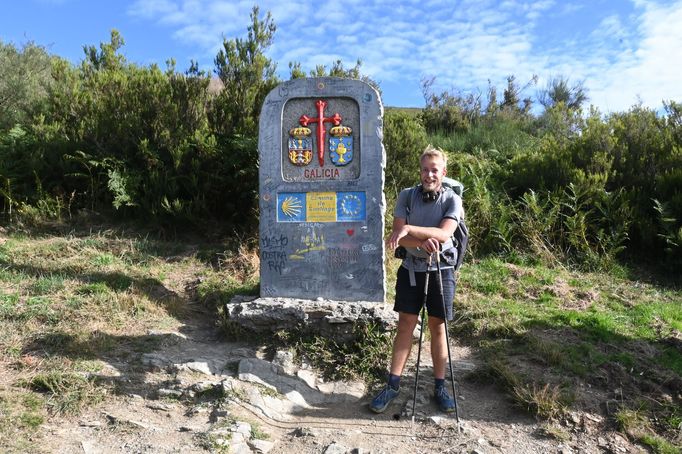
197	393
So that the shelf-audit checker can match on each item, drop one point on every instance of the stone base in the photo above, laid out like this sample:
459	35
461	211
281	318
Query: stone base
336	319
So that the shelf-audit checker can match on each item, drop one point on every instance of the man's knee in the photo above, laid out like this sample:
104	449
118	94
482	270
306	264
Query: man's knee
436	322
407	322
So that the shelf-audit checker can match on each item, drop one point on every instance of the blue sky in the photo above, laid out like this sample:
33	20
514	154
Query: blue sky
625	51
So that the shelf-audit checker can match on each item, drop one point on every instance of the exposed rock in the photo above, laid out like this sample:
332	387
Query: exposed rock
285	359
304	432
155	361
336	448
89	423
307	376
298	391
240	448
163	392
153	332
202	367
270	406
261	446
243	428
437	420
160	406
259	371
128	422
203	386
331	318
89	447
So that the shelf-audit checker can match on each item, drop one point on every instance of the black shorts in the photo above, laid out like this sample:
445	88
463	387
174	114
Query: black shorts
409	299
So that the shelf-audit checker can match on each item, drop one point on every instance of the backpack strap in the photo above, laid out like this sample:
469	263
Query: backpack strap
410	204
410	201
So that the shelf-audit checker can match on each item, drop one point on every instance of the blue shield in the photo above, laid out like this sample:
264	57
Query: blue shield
341	150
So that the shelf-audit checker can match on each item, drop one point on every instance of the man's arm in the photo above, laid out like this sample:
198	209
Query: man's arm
428	238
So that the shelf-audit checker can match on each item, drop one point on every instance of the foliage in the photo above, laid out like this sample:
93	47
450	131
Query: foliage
337	69
143	142
363	356
247	76
66	392
558	91
24	77
447	112
404	141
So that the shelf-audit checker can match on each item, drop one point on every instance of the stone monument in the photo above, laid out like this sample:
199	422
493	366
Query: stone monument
321	175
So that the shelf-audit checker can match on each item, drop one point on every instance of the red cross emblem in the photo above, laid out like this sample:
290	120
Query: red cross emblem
320	121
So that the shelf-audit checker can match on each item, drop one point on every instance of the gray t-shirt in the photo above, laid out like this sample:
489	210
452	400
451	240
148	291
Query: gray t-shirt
426	214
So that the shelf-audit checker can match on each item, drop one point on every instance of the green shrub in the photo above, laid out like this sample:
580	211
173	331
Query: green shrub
404	140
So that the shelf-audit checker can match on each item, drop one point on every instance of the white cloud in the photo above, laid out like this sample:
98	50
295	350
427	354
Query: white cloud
151	8
464	44
646	70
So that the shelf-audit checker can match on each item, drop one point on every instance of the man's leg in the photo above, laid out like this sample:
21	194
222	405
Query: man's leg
439	355
439	352
402	345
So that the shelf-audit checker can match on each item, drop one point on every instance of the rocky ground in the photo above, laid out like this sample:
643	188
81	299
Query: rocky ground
197	393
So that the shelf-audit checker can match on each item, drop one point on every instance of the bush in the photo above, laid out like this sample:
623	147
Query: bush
404	140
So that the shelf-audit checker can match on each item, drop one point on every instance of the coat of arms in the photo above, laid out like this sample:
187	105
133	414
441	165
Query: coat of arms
341	145
300	146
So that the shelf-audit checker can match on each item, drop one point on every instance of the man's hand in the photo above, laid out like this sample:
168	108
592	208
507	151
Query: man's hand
396	235
430	245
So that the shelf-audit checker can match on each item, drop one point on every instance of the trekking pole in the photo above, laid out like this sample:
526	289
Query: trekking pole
447	340
421	333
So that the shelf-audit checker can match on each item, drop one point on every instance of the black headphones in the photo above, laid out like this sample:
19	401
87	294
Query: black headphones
430	196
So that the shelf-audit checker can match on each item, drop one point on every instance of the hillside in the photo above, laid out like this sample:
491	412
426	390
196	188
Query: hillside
113	342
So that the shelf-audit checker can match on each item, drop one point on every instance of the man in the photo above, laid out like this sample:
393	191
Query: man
423	221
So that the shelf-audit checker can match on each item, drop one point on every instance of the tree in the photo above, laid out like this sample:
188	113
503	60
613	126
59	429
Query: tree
511	94
24	77
247	76
337	69
492	106
447	111
108	56
559	90
511	101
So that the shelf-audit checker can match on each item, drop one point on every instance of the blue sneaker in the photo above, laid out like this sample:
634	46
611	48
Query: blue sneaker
381	401
445	402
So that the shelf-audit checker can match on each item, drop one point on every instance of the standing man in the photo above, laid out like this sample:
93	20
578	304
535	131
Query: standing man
424	219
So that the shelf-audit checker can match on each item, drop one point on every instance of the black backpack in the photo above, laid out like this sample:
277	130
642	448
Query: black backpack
460	237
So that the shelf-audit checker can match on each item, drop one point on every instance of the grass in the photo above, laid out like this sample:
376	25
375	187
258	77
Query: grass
636	424
22	414
70	304
544	331
66	392
362	357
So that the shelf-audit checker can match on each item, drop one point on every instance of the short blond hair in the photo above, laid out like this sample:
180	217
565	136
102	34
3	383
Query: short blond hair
432	152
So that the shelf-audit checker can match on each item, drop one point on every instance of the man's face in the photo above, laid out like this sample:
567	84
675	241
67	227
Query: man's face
432	173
